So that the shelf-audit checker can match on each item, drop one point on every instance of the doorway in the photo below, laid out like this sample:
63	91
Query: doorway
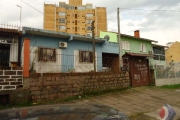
4	54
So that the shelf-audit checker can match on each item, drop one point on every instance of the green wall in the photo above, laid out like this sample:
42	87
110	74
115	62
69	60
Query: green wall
113	36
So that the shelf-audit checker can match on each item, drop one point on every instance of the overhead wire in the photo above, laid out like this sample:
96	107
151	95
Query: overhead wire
37	10
158	10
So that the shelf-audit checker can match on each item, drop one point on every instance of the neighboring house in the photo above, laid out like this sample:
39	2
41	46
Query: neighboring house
74	18
10	53
133	44
172	52
159	56
60	52
137	56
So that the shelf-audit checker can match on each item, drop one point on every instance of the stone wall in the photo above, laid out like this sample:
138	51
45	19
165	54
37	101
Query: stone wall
15	97
45	87
11	78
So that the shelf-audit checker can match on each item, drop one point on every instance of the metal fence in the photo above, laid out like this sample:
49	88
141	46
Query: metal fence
169	70
71	63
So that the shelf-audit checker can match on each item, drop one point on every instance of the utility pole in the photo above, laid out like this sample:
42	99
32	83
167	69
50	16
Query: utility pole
119	40
20	14
93	45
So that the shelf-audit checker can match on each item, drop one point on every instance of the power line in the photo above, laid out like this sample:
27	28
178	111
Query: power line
158	10
38	10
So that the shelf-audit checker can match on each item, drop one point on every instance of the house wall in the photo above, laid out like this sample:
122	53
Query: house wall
172	53
11	78
113	36
135	45
66	57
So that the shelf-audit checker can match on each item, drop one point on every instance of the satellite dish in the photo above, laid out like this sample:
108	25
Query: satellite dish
107	37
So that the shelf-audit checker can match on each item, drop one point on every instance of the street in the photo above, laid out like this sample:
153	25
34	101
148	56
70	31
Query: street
140	103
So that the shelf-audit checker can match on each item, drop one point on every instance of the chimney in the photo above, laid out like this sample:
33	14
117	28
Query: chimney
136	34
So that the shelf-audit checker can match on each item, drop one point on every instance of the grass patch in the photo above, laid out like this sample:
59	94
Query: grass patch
177	86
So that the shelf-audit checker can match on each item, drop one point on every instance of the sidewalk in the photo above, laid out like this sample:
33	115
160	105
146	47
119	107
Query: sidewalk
140	100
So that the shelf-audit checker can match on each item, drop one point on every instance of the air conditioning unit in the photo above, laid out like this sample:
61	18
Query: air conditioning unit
63	44
150	52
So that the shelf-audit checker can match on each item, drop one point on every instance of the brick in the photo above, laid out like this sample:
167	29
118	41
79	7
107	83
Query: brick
16	83
16	68
34	88
19	72
10	80
4	76
9	87
49	78
1	72
1	80
19	80
9	72
16	76
4	83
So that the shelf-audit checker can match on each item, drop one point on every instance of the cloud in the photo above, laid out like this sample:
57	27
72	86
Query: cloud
157	25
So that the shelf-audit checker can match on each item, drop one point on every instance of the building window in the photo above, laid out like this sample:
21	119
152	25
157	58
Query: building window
142	47
46	54
125	45
62	27
89	15
86	56
88	21
62	20
89	7
81	8
83	28
88	27
89	34
62	14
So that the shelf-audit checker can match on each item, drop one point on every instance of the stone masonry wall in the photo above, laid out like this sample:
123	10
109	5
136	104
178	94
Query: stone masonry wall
11	78
59	86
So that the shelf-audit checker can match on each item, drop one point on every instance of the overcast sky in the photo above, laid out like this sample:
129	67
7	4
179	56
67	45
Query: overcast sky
162	26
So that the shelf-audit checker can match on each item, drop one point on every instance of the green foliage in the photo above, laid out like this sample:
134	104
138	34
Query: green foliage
177	86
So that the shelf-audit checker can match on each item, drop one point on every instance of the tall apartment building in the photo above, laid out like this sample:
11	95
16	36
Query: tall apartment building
74	18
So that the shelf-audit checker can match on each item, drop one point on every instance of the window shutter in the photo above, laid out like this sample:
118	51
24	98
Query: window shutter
141	47
40	54
80	56
128	45
144	47
54	54
91	57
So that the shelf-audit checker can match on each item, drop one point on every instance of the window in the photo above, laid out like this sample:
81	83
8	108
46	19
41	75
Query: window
125	45
89	15
86	56
89	7
46	54
62	27
81	8
83	28
62	20
89	34
142	47
88	27
62	5
88	21
62	13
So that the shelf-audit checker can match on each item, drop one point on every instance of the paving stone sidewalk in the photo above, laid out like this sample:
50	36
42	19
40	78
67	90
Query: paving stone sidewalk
140	100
